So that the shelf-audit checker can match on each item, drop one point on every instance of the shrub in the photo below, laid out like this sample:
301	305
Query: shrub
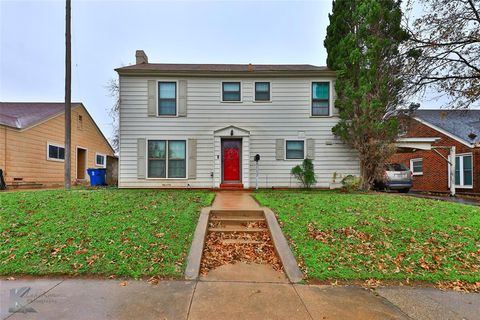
305	173
350	183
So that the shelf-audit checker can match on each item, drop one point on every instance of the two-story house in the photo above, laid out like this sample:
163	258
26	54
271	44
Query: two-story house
201	125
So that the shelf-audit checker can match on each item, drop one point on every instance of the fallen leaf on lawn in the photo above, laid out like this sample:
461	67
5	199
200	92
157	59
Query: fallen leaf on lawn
153	280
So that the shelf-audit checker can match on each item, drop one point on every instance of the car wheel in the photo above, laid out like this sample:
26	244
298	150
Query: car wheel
404	190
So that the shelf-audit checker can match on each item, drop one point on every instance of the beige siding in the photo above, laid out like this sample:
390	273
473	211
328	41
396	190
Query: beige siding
26	151
3	131
287	116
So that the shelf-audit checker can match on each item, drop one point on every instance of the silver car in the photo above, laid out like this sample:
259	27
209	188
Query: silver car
396	177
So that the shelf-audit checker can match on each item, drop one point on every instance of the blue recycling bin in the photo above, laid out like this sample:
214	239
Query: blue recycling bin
97	176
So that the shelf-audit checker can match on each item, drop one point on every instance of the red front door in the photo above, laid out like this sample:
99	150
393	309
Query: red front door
231	160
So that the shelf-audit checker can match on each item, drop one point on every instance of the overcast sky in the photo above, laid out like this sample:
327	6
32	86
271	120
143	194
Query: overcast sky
105	35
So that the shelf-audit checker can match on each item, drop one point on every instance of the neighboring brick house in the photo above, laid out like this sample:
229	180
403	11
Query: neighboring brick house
32	152
459	128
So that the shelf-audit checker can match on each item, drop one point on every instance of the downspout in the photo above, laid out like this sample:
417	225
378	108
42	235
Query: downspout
452	171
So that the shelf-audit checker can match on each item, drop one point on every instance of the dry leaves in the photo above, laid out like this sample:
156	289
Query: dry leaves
218	253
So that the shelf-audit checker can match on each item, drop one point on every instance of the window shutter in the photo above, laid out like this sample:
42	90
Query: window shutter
182	98
280	149
152	98
192	158
141	163
310	149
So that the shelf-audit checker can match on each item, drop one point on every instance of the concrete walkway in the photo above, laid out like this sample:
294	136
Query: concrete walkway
234	200
456	199
115	299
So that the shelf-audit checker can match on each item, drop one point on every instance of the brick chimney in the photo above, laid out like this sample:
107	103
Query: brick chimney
141	57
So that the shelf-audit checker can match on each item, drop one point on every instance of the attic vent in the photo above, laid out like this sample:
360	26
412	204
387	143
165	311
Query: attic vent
443	115
472	136
250	67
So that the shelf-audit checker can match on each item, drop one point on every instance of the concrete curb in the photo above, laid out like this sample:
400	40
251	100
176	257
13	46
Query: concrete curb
196	250
289	262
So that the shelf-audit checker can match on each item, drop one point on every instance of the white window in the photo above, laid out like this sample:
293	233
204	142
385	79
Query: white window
167	159
294	149
464	170
320	99
262	91
100	160
55	152
416	166
232	91
167	98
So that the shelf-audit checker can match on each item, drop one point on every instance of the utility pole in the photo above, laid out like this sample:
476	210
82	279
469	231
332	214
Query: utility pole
68	95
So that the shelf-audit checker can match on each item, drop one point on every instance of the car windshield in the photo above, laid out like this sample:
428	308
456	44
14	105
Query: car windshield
395	167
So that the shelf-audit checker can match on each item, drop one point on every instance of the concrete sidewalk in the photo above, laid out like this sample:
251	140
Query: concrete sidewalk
113	299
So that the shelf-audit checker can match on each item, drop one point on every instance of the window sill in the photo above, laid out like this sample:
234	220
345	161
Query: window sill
266	101
464	187
329	116
167	116
231	101
56	160
417	174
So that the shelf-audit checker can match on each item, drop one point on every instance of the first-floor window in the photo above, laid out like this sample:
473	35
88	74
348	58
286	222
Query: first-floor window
416	166
167	159
295	149
100	160
464	170
56	152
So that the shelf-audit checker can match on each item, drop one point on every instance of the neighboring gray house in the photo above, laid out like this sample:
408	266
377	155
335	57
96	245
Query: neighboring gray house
201	125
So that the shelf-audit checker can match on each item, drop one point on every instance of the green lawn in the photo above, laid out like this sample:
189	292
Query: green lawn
130	233
385	237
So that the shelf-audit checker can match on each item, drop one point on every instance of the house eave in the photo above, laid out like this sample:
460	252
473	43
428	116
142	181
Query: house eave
231	74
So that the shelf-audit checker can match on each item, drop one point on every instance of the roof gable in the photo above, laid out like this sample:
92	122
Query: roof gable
462	125
22	115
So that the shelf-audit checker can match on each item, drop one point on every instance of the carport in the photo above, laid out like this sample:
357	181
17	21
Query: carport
413	144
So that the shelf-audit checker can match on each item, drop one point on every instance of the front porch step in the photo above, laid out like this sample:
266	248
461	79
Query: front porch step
238	229
231	186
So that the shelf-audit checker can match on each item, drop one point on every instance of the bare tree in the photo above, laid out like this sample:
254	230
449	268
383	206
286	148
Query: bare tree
445	49
68	95
113	88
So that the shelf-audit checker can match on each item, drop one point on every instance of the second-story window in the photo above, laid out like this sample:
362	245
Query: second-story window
167	98
262	91
320	98
231	91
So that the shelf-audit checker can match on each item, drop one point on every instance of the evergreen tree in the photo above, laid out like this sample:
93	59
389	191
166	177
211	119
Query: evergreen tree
362	43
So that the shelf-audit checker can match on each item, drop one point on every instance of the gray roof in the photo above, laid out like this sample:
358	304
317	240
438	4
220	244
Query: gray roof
222	68
21	115
462	124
